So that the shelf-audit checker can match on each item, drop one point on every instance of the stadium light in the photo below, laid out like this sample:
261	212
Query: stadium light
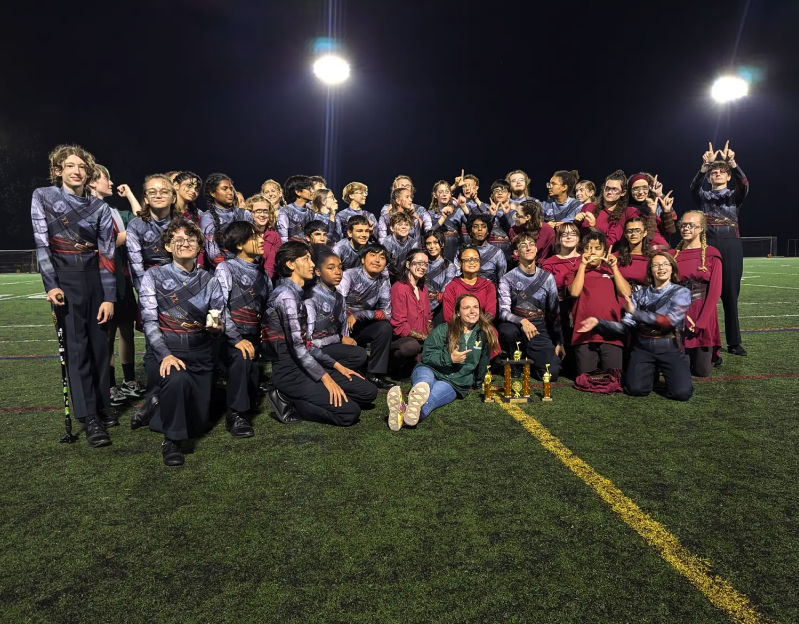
331	69
729	88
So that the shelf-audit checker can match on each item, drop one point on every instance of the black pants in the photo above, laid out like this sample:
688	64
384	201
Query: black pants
243	375
86	342
378	335
539	349
593	356
404	353
664	353
438	316
732	268
701	359
312	400
185	395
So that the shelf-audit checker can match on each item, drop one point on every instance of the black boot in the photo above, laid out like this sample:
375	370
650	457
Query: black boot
172	453
96	435
109	417
736	350
379	381
283	409
145	413
237	426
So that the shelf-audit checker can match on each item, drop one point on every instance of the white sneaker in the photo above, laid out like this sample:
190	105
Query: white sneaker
117	396
395	408
417	397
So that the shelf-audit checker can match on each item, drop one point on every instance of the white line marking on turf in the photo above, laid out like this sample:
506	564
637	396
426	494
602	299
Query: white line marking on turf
749	277
13	283
757	303
37	340
20	326
765	286
771	316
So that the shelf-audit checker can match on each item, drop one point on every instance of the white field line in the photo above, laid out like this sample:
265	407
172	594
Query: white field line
778	287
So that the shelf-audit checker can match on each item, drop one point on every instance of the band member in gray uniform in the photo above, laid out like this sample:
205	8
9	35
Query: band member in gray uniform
245	288
320	388
75	241
221	209
368	295
440	272
349	249
182	305
528	309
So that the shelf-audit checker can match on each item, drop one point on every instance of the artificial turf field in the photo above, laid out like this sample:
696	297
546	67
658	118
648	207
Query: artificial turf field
596	509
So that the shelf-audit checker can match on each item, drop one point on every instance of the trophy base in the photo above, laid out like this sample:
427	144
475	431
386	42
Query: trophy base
515	399
547	400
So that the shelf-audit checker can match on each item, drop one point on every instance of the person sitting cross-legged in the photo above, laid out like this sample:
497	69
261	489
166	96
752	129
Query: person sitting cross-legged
454	359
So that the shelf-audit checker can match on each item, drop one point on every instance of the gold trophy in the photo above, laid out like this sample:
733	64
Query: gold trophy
517	389
547	378
517	355
487	388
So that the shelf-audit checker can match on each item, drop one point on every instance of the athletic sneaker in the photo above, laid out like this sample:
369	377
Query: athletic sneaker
395	408
417	397
132	389
118	396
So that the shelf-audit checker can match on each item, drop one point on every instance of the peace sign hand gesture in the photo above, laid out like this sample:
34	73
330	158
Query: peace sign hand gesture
728	155
667	201
493	207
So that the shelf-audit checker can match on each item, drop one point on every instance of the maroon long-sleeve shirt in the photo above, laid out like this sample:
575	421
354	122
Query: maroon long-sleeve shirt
407	311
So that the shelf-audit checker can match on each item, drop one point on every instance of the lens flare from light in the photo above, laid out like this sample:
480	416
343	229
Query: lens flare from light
729	88
331	69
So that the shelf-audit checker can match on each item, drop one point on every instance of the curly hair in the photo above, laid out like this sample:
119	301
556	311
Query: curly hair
259	198
614	216
187	225
531	209
702	236
61	153
212	182
182	177
145	214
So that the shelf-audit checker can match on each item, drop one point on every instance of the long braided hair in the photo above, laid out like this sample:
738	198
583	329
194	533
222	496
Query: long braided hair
212	182
614	216
145	214
623	245
702	236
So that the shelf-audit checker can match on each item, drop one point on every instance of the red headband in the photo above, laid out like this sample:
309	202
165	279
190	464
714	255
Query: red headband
638	176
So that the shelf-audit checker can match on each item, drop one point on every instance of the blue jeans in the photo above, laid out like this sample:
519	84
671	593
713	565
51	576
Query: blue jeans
441	392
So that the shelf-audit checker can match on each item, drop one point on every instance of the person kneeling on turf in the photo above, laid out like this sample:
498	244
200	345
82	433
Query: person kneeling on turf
303	375
181	306
454	359
655	315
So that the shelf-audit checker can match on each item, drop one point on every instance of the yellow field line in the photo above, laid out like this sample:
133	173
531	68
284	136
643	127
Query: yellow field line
698	572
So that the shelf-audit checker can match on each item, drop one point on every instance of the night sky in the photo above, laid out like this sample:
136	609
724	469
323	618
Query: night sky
212	85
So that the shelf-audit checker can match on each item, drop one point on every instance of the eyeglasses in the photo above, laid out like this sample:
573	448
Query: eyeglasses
188	242
364	193
419	263
612	191
690	226
635	231
260	213
158	192
514	180
660	265
640	189
470	260
569	235
525	247
551	184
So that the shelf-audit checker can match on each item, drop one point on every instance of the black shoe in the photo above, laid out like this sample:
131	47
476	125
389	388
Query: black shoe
283	409
736	350
717	363
96	435
109	417
263	387
379	381
145	413
237	426
172	453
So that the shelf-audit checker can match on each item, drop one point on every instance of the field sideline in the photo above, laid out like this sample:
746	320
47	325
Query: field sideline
591	509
